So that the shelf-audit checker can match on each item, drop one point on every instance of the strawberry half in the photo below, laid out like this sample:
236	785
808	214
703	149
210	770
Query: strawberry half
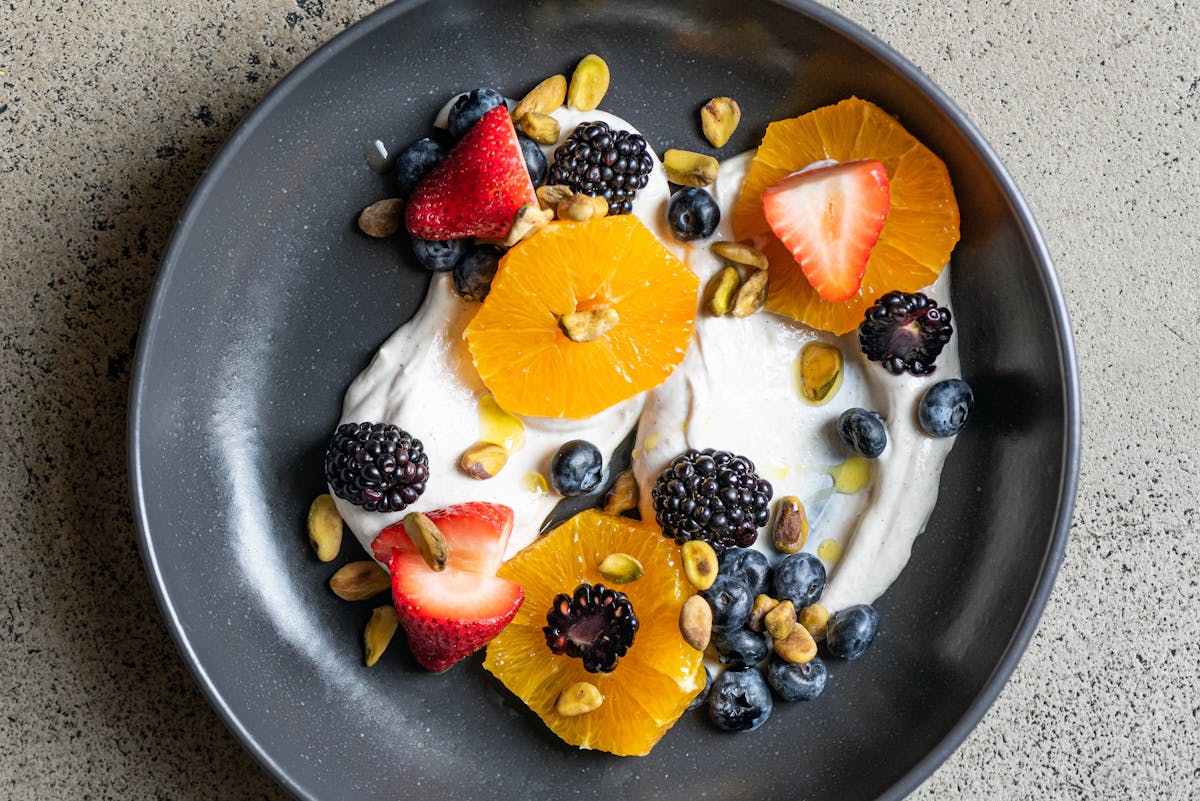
830	218
451	614
476	535
477	188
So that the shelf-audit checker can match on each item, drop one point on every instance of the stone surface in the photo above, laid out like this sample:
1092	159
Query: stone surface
110	111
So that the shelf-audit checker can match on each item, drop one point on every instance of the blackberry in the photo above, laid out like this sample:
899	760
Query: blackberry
595	624
905	332
711	495
380	467
599	161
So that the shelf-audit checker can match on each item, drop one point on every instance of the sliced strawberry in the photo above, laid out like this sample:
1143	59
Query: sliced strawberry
830	218
451	614
477	188
476	535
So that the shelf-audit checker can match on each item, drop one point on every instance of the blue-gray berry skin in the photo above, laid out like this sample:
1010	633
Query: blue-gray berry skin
702	698
740	700
748	565
576	468
693	214
851	630
469	108
945	407
800	578
415	161
863	432
730	600
473	275
439	255
535	159
792	682
740	647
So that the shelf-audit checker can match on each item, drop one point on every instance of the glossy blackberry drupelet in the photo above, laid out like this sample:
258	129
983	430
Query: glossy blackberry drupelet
439	255
599	161
800	578
730	601
863	432
473	275
692	214
945	407
535	159
851	630
415	161
711	495
905	332
576	468
748	565
381	468
793	682
740	647
739	700
594	624
469	108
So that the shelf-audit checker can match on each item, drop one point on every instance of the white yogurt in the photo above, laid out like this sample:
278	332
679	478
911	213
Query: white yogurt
735	390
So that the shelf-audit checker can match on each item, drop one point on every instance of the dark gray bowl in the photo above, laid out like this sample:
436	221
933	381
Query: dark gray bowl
269	302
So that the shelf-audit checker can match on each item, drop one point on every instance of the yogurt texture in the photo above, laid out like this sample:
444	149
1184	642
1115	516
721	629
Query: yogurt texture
737	389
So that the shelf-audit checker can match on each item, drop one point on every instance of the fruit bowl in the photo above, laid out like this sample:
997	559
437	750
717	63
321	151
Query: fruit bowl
269	302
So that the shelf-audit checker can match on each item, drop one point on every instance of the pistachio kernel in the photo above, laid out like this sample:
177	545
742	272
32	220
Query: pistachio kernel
780	621
815	619
695	622
623	496
737	253
620	568
723	286
577	208
358	581
324	528
528	220
578	699
719	119
751	295
798	646
589	83
821	371
588	325
550	195
428	538
601	204
699	563
689	169
379	632
541	128
543	98
762	605
382	218
483	460
791	525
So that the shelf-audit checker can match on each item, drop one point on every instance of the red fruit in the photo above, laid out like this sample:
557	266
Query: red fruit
451	614
830	218
477	188
476	535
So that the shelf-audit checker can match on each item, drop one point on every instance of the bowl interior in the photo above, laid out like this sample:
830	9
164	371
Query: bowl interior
270	302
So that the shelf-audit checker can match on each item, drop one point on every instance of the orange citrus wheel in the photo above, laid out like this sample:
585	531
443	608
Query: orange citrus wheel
613	263
922	222
654	681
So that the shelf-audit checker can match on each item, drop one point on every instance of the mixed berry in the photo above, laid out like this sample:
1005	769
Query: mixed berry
600	161
711	495
381	468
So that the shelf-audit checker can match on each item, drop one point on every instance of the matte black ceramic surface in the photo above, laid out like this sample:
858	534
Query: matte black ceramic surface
269	303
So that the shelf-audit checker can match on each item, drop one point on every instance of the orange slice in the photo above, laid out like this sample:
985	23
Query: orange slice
922	223
610	264
657	677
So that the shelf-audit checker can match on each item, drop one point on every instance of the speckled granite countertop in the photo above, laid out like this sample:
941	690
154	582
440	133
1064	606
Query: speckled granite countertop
109	112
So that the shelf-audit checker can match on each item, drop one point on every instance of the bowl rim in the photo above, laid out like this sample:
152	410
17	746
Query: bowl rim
1031	235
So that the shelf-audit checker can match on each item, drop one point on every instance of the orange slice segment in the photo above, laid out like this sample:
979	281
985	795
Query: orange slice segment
922	224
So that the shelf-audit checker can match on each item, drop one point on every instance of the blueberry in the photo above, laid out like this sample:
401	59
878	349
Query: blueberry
739	701
863	432
750	566
473	275
800	579
535	159
439	255
467	110
945	407
730	600
693	214
851	630
740	647
703	696
415	161
793	682
576	468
